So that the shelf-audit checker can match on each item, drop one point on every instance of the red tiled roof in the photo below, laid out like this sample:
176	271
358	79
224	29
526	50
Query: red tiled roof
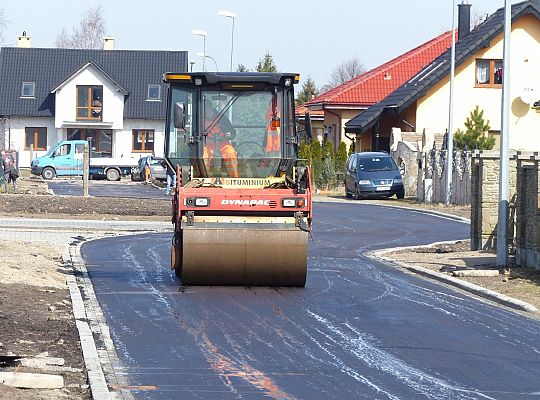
372	86
301	110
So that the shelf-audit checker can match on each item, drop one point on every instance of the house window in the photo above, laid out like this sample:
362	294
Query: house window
89	102
101	140
28	89
489	73
37	137
154	92
143	140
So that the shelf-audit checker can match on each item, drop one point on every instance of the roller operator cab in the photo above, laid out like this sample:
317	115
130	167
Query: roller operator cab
242	208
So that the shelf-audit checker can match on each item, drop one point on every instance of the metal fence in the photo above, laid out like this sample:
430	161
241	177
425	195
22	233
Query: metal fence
432	176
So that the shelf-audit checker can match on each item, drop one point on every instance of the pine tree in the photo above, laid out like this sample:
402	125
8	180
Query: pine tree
475	135
328	171
309	90
304	153
242	68
341	158
351	148
266	64
316	162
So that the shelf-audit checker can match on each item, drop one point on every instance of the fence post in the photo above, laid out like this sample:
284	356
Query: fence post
86	169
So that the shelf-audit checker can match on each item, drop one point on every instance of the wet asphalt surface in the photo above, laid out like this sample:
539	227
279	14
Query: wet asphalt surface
359	329
102	188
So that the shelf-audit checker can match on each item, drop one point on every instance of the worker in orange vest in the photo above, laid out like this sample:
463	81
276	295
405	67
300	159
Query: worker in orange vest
273	144
219	134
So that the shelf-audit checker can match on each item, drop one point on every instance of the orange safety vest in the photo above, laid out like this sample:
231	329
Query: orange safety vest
273	130
228	153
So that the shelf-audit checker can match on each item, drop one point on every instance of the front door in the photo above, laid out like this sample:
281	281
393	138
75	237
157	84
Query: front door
64	160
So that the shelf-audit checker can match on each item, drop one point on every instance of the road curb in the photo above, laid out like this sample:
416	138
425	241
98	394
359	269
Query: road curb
98	348
378	255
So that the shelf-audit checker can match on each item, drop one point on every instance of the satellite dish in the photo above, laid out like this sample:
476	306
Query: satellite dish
529	95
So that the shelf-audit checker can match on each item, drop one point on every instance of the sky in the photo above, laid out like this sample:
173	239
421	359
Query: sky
310	37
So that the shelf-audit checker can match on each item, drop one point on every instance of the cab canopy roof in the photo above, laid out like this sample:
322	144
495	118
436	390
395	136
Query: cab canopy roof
210	78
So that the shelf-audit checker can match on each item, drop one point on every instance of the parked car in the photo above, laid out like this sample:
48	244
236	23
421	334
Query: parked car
157	171
373	174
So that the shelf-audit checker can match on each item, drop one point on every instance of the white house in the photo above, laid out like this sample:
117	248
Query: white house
114	98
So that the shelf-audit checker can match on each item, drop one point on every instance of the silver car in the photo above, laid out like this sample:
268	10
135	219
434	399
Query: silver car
157	171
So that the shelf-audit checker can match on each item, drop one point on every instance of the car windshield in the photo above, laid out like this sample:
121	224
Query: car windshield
376	163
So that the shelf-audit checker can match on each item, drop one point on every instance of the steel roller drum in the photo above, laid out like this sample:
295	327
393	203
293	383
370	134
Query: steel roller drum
244	257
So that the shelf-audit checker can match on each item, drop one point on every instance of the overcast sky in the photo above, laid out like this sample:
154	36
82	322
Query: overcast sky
306	36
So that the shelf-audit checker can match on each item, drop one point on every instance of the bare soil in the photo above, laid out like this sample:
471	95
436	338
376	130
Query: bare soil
516	282
36	317
32	200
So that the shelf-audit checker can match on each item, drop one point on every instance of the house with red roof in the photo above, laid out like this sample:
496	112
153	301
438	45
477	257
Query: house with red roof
422	103
342	103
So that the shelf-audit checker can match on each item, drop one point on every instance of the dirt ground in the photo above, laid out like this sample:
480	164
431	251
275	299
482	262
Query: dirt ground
32	200
36	318
519	283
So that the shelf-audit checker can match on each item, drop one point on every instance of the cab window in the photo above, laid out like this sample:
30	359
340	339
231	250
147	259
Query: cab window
63	150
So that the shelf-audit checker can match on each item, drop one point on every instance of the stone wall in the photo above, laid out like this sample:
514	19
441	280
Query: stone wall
485	198
524	216
405	158
527	212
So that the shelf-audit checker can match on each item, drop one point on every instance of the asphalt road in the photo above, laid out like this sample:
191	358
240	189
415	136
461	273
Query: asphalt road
358	329
107	189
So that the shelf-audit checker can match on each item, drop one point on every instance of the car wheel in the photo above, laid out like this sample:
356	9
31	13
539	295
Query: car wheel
48	173
400	195
112	174
347	193
356	193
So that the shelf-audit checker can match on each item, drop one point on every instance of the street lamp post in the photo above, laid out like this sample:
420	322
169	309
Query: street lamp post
232	16
450	135
201	54
504	171
203	34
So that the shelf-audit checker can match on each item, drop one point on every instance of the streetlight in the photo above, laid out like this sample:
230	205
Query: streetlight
201	54
203	34
232	16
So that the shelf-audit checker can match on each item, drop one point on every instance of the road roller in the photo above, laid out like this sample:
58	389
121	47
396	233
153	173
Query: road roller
242	206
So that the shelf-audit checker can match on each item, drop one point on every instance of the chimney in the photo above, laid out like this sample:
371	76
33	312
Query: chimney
464	20
108	43
24	41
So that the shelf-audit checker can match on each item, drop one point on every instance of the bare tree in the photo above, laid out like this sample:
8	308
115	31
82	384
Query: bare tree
88	35
4	22
344	72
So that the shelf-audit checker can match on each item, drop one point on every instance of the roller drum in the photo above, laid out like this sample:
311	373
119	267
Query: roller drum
244	257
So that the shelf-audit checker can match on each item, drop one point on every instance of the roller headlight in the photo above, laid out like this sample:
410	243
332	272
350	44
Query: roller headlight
197	202
364	182
288	202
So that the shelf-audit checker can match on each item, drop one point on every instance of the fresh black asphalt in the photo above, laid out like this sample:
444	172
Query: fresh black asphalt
358	329
136	190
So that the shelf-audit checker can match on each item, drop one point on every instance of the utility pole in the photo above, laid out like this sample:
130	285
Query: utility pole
450	135
504	171
86	168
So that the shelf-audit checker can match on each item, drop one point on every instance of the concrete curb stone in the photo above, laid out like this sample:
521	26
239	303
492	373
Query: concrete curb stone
98	348
378	255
